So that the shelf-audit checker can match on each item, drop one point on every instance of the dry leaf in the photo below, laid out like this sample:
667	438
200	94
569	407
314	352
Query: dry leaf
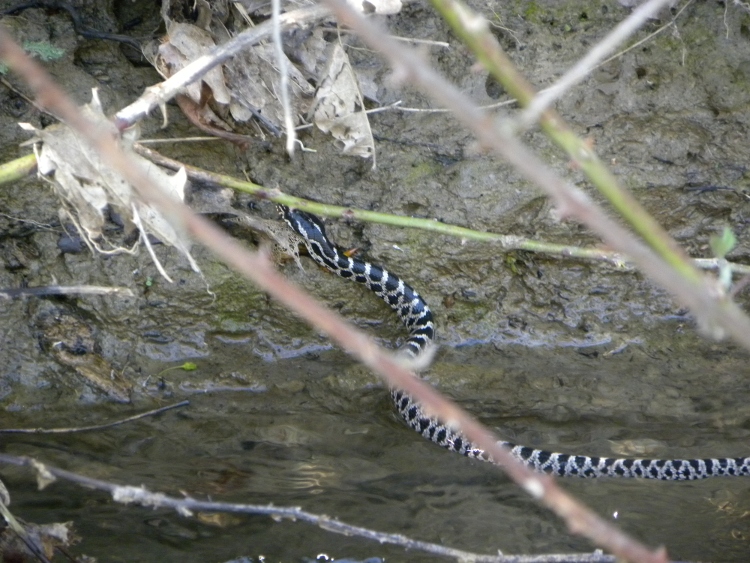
311	51
338	108
185	43
248	84
254	81
86	186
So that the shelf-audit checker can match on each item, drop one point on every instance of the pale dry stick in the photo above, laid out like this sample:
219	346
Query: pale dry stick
186	506
592	61
77	429
380	109
256	267
291	134
493	105
160	94
430	42
583	67
512	101
174	140
650	36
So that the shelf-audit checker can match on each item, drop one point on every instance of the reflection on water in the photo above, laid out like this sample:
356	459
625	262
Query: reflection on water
314	433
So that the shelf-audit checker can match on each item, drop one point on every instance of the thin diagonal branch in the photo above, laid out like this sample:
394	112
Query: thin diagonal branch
474	30
579	519
160	94
596	54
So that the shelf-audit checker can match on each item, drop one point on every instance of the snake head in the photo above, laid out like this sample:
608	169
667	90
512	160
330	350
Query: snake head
305	224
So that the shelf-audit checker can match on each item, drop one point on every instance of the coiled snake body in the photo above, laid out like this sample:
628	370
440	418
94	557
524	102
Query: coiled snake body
417	317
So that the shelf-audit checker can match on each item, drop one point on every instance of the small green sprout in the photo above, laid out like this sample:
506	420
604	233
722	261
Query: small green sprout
721	245
187	366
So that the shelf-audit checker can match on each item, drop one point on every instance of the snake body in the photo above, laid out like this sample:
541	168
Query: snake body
417	317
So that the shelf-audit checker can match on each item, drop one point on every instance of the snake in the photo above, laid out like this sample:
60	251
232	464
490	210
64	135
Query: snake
417	317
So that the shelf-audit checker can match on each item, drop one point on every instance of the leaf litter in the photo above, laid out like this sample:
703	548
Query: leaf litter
88	189
247	88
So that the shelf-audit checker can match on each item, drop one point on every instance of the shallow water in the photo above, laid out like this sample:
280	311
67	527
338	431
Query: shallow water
332	445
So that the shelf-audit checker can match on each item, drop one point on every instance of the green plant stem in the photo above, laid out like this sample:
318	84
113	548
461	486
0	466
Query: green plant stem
17	169
506	242
474	31
21	167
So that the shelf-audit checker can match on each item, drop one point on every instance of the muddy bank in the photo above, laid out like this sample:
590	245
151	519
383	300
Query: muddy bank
670	115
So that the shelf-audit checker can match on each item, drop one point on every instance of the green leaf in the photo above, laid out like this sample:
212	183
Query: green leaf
189	366
722	244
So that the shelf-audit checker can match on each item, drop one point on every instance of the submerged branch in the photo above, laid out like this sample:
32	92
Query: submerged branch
76	429
186	506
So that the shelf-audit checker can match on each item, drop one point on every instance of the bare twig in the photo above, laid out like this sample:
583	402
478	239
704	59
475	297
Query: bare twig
580	519
76	429
593	56
430	42
186	506
12	293
291	134
155	141
512	101
159	95
650	36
